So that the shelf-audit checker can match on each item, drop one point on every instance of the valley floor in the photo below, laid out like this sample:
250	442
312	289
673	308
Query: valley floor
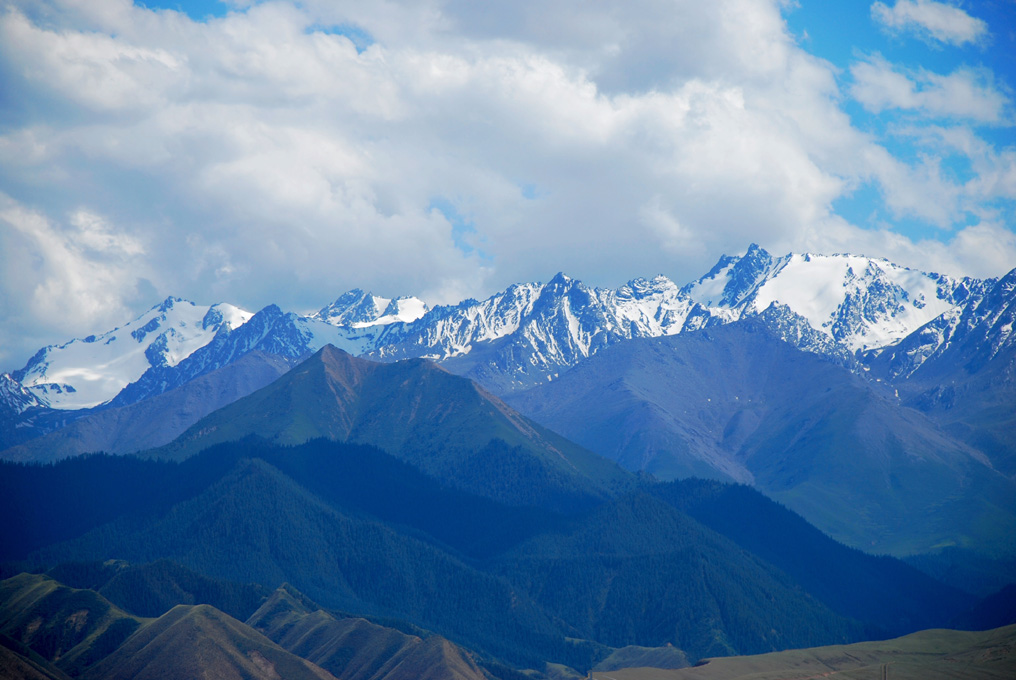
927	655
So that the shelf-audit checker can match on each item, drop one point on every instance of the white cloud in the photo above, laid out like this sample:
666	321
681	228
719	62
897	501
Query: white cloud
63	277
260	158
936	20
965	94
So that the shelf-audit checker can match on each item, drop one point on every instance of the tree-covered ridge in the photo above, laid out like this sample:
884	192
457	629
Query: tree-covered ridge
363	532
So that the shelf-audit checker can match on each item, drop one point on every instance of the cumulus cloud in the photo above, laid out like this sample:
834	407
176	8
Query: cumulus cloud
265	156
938	21
60	277
966	93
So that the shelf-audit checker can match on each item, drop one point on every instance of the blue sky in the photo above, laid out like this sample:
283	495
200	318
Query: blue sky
843	35
284	152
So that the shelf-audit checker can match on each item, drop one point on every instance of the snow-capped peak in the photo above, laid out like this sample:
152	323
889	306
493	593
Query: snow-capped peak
89	371
862	303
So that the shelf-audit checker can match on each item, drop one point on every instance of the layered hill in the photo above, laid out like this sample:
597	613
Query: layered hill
363	532
444	424
735	403
52	627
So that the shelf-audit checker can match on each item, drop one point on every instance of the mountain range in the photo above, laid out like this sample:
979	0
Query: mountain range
520	337
554	479
924	386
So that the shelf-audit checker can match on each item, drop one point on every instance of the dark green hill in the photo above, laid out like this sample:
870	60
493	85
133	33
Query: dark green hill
356	649
638	572
257	525
890	596
736	403
927	655
201	642
364	532
995	610
441	423
68	627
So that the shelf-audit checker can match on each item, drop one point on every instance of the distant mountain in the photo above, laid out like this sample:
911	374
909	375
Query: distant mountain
520	337
836	306
734	403
158	420
860	302
442	423
960	368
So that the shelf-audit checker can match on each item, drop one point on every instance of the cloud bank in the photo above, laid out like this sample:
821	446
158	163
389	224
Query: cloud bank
287	152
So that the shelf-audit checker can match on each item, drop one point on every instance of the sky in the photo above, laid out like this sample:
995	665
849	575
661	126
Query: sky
285	152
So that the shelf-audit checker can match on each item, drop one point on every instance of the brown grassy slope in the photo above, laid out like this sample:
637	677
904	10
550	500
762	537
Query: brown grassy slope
202	642
355	649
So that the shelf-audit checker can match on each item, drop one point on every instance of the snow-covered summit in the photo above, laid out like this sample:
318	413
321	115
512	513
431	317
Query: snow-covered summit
89	371
862	303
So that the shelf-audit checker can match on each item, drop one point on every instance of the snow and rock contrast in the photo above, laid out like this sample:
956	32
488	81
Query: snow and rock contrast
90	371
861	303
836	305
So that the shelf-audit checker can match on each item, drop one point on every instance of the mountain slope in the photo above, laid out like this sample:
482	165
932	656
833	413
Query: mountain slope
19	662
732	402
439	422
961	370
632	572
638	572
884	593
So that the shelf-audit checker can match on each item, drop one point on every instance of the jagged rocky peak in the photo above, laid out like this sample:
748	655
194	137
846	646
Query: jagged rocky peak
640	288
358	308
733	280
13	395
